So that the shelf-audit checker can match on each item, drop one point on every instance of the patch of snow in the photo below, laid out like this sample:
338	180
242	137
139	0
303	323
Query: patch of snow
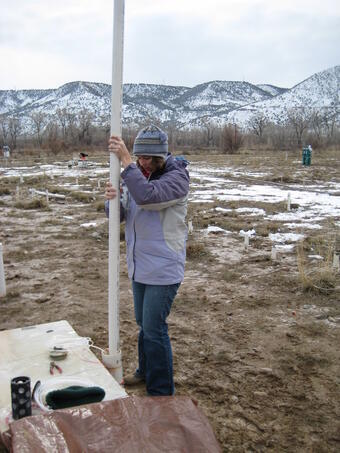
310	226
250	233
223	209
285	237
216	229
251	211
88	225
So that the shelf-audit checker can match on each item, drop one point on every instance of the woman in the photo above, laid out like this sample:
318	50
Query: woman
153	205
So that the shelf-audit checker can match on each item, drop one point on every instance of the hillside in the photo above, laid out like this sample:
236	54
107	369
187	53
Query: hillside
216	101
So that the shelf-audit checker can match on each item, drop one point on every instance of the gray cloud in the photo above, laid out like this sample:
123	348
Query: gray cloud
45	45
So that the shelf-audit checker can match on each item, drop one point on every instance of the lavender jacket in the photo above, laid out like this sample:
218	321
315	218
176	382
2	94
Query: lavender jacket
155	231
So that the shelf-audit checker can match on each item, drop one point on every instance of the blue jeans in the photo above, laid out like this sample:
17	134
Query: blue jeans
152	307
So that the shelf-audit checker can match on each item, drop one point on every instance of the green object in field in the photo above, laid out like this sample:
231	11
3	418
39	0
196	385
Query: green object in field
307	156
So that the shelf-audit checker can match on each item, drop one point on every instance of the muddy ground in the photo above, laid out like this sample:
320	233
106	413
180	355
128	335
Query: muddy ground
254	343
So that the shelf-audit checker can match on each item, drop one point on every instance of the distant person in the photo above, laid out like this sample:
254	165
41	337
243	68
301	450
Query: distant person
154	207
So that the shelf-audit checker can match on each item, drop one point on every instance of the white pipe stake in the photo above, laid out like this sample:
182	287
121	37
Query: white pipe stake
288	201
21	179
113	359
47	200
246	241
274	253
190	227
2	275
99	184
336	263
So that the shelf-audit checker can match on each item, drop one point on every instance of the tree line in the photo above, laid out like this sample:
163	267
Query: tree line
66	129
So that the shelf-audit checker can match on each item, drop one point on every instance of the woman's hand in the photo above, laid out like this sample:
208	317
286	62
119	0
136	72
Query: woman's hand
117	146
110	192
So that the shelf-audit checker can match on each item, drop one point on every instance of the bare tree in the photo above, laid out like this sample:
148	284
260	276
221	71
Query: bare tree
72	130
330	119
299	119
208	129
231	139
257	124
39	122
62	116
171	128
52	133
106	125
14	127
4	129
85	118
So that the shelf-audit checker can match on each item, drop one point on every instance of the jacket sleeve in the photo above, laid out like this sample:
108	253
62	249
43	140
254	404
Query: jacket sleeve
107	210
158	194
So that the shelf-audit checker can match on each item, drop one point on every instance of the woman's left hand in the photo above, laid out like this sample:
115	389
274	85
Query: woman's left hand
117	146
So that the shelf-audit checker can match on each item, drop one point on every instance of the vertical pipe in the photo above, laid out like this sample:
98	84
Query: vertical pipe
246	241
113	359
190	227
2	275
274	253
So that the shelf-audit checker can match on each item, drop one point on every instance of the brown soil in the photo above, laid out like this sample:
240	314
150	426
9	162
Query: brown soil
258	353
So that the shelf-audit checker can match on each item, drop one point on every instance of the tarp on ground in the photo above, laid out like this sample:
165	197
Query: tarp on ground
126	425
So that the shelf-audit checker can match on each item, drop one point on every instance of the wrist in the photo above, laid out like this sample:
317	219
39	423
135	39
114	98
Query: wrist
126	161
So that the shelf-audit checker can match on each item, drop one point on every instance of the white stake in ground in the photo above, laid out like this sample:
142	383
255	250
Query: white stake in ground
190	227
246	242
2	275
113	359
288	201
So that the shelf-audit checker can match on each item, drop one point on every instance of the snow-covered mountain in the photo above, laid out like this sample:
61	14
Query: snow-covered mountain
215	101
318	92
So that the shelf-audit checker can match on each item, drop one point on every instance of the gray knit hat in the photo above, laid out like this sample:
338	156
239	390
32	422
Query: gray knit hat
151	141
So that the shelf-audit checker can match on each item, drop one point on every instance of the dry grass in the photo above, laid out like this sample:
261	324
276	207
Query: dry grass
36	203
318	276
196	250
82	196
230	275
100	206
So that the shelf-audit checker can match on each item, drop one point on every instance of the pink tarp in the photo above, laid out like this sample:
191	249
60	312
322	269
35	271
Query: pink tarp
127	425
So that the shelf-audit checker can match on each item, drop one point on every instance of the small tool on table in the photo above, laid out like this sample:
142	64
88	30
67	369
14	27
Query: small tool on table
54	365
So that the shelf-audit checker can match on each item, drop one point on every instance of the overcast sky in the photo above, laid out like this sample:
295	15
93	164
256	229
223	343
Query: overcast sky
45	43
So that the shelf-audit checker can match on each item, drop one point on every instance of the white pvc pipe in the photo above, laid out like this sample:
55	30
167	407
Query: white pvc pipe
288	201
246	241
2	275
113	359
274	253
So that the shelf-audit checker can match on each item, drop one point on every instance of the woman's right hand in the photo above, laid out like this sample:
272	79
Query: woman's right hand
110	192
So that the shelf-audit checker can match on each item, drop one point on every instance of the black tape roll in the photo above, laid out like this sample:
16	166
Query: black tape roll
21	397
